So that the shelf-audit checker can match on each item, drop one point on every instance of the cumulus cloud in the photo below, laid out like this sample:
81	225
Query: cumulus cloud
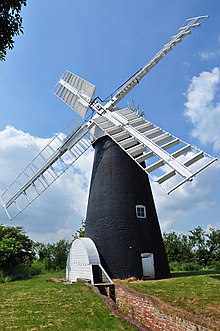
203	107
58	212
190	204
190	201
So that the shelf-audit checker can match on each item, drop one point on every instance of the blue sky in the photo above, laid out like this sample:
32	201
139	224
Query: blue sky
105	42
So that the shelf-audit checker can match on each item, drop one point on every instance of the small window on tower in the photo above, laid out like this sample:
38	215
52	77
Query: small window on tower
141	211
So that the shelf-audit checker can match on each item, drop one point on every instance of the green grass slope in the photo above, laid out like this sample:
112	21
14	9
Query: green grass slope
197	293
40	304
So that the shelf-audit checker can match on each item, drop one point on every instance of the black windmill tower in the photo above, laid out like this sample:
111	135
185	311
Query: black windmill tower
121	216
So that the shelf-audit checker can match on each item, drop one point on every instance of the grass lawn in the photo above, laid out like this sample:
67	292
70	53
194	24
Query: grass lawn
40	304
195	292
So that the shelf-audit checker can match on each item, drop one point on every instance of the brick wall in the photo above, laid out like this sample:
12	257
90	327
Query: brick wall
155	315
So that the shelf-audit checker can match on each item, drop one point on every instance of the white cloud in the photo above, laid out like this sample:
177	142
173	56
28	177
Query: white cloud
179	208
210	54
203	107
58	212
191	204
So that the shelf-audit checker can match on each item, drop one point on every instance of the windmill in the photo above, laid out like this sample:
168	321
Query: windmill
121	217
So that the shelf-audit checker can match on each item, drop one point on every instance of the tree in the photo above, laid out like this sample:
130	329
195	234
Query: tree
178	247
200	247
53	256
213	244
61	250
40	250
10	24
198	239
16	249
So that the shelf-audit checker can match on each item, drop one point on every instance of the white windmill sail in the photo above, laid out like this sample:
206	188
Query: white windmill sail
62	151
186	29
169	160
75	92
139	138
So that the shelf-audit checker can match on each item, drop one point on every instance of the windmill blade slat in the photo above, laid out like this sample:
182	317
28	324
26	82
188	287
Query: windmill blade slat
129	142
137	121
130	117
144	157
165	177
142	146
121	135
154	166
153	133
145	127
182	151
171	144
162	138
194	159
136	150
45	169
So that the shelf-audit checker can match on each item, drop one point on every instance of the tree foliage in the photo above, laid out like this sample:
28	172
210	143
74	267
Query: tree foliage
53	256
81	231
178	247
199	247
16	249
213	243
10	24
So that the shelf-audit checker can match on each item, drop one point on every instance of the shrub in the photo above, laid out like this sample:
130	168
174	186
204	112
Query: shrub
190	266
20	271
174	266
215	266
2	277
184	266
37	267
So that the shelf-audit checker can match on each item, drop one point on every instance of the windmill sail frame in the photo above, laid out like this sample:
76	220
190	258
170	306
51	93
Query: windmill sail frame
75	91
142	144
57	156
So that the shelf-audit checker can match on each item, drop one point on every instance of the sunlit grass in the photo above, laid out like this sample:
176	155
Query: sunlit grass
40	303
196	293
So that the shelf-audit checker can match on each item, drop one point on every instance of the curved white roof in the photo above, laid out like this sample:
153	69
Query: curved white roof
85	250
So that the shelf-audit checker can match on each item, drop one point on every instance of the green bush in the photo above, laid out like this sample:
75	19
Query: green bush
174	266
215	266
184	266
23	271
20	271
190	266
37	267
2	277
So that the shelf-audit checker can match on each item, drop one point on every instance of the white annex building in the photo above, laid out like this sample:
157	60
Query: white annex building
83	262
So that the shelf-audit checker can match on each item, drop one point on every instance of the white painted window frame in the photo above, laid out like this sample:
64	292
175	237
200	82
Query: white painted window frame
144	211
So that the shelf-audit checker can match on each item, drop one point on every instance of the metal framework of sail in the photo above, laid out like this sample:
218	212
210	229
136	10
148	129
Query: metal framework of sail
169	160
75	92
62	151
140	139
